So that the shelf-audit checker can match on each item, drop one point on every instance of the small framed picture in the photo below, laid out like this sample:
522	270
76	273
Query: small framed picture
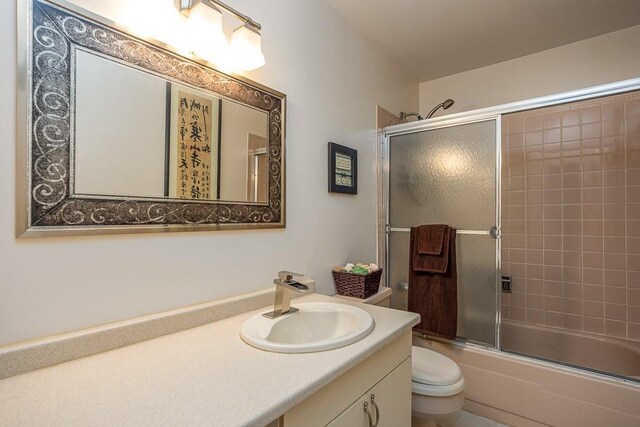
343	169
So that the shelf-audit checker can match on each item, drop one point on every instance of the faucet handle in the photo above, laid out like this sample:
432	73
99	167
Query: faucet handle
288	275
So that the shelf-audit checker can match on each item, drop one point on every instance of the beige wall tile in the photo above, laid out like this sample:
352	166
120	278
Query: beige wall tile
594	325
615	311
572	306
615	328
572	226
552	288
534	286
592	179
572	290
552	166
615	295
571	164
633	313
613	178
554	120
614	244
593	292
535	301
572	274
593	309
593	260
613	110
593	276
572	243
615	278
571	321
553	303
592	244
634	331
591	131
634	297
535	316
553	319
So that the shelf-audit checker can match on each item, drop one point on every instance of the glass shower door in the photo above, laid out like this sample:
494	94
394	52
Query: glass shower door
448	175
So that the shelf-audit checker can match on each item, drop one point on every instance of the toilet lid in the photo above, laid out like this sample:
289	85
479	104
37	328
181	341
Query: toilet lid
429	367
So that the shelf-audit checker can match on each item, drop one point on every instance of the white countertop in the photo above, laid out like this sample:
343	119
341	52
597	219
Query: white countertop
201	376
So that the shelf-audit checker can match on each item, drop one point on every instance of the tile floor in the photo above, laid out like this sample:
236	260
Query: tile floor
467	419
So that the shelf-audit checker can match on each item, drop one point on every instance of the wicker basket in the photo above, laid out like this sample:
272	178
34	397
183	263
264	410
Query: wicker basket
357	285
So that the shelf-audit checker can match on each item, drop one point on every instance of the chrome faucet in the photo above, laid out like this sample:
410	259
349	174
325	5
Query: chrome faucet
286	283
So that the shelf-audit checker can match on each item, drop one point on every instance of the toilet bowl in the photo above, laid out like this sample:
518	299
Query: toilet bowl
437	385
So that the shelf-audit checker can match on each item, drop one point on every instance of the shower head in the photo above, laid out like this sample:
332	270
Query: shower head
445	105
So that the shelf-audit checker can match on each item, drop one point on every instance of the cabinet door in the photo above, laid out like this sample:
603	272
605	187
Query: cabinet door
354	415
393	397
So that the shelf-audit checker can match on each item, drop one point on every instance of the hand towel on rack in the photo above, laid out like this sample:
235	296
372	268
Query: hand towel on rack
430	263
431	239
433	291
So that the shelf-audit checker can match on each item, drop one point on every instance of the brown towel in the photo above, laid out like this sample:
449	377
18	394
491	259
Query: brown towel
435	295
430	263
431	239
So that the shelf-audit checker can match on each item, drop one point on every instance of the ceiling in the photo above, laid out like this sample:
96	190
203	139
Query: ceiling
436	38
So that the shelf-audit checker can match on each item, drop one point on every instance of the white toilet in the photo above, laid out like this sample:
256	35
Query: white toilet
437	385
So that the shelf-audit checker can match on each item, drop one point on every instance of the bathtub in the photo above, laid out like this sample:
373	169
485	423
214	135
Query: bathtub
527	392
613	356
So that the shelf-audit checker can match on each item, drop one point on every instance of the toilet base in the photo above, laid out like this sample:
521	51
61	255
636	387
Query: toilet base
425	409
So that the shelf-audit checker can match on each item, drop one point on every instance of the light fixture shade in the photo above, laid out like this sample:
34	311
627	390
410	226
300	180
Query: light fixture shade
152	19
207	40
245	49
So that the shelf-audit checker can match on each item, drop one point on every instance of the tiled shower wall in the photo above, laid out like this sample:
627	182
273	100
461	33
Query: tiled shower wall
571	216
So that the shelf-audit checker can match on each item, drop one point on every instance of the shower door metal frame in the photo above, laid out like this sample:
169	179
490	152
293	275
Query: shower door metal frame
478	115
493	232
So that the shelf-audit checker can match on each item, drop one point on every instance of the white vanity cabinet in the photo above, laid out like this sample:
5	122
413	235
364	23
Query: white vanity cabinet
386	375
390	399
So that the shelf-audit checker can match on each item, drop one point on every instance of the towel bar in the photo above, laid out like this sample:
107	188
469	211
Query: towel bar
407	230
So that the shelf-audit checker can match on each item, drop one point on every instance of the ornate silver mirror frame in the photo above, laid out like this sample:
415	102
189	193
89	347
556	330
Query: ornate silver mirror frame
49	34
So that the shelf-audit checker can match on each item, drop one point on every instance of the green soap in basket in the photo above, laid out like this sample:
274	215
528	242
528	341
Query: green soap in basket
359	270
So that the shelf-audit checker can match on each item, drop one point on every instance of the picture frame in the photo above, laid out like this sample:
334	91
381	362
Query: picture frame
343	169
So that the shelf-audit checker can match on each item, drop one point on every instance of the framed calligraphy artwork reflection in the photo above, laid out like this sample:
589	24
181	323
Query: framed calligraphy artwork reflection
194	145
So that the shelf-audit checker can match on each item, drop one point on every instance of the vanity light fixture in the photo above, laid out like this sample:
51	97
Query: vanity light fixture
243	53
205	35
245	49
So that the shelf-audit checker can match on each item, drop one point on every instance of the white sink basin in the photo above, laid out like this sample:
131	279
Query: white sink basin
318	326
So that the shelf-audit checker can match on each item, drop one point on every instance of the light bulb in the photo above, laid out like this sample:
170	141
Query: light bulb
207	39
152	19
245	49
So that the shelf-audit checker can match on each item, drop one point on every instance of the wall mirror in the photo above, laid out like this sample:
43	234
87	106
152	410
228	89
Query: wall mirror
122	135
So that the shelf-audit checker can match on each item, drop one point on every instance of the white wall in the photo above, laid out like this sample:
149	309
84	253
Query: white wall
333	80
604	59
112	146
